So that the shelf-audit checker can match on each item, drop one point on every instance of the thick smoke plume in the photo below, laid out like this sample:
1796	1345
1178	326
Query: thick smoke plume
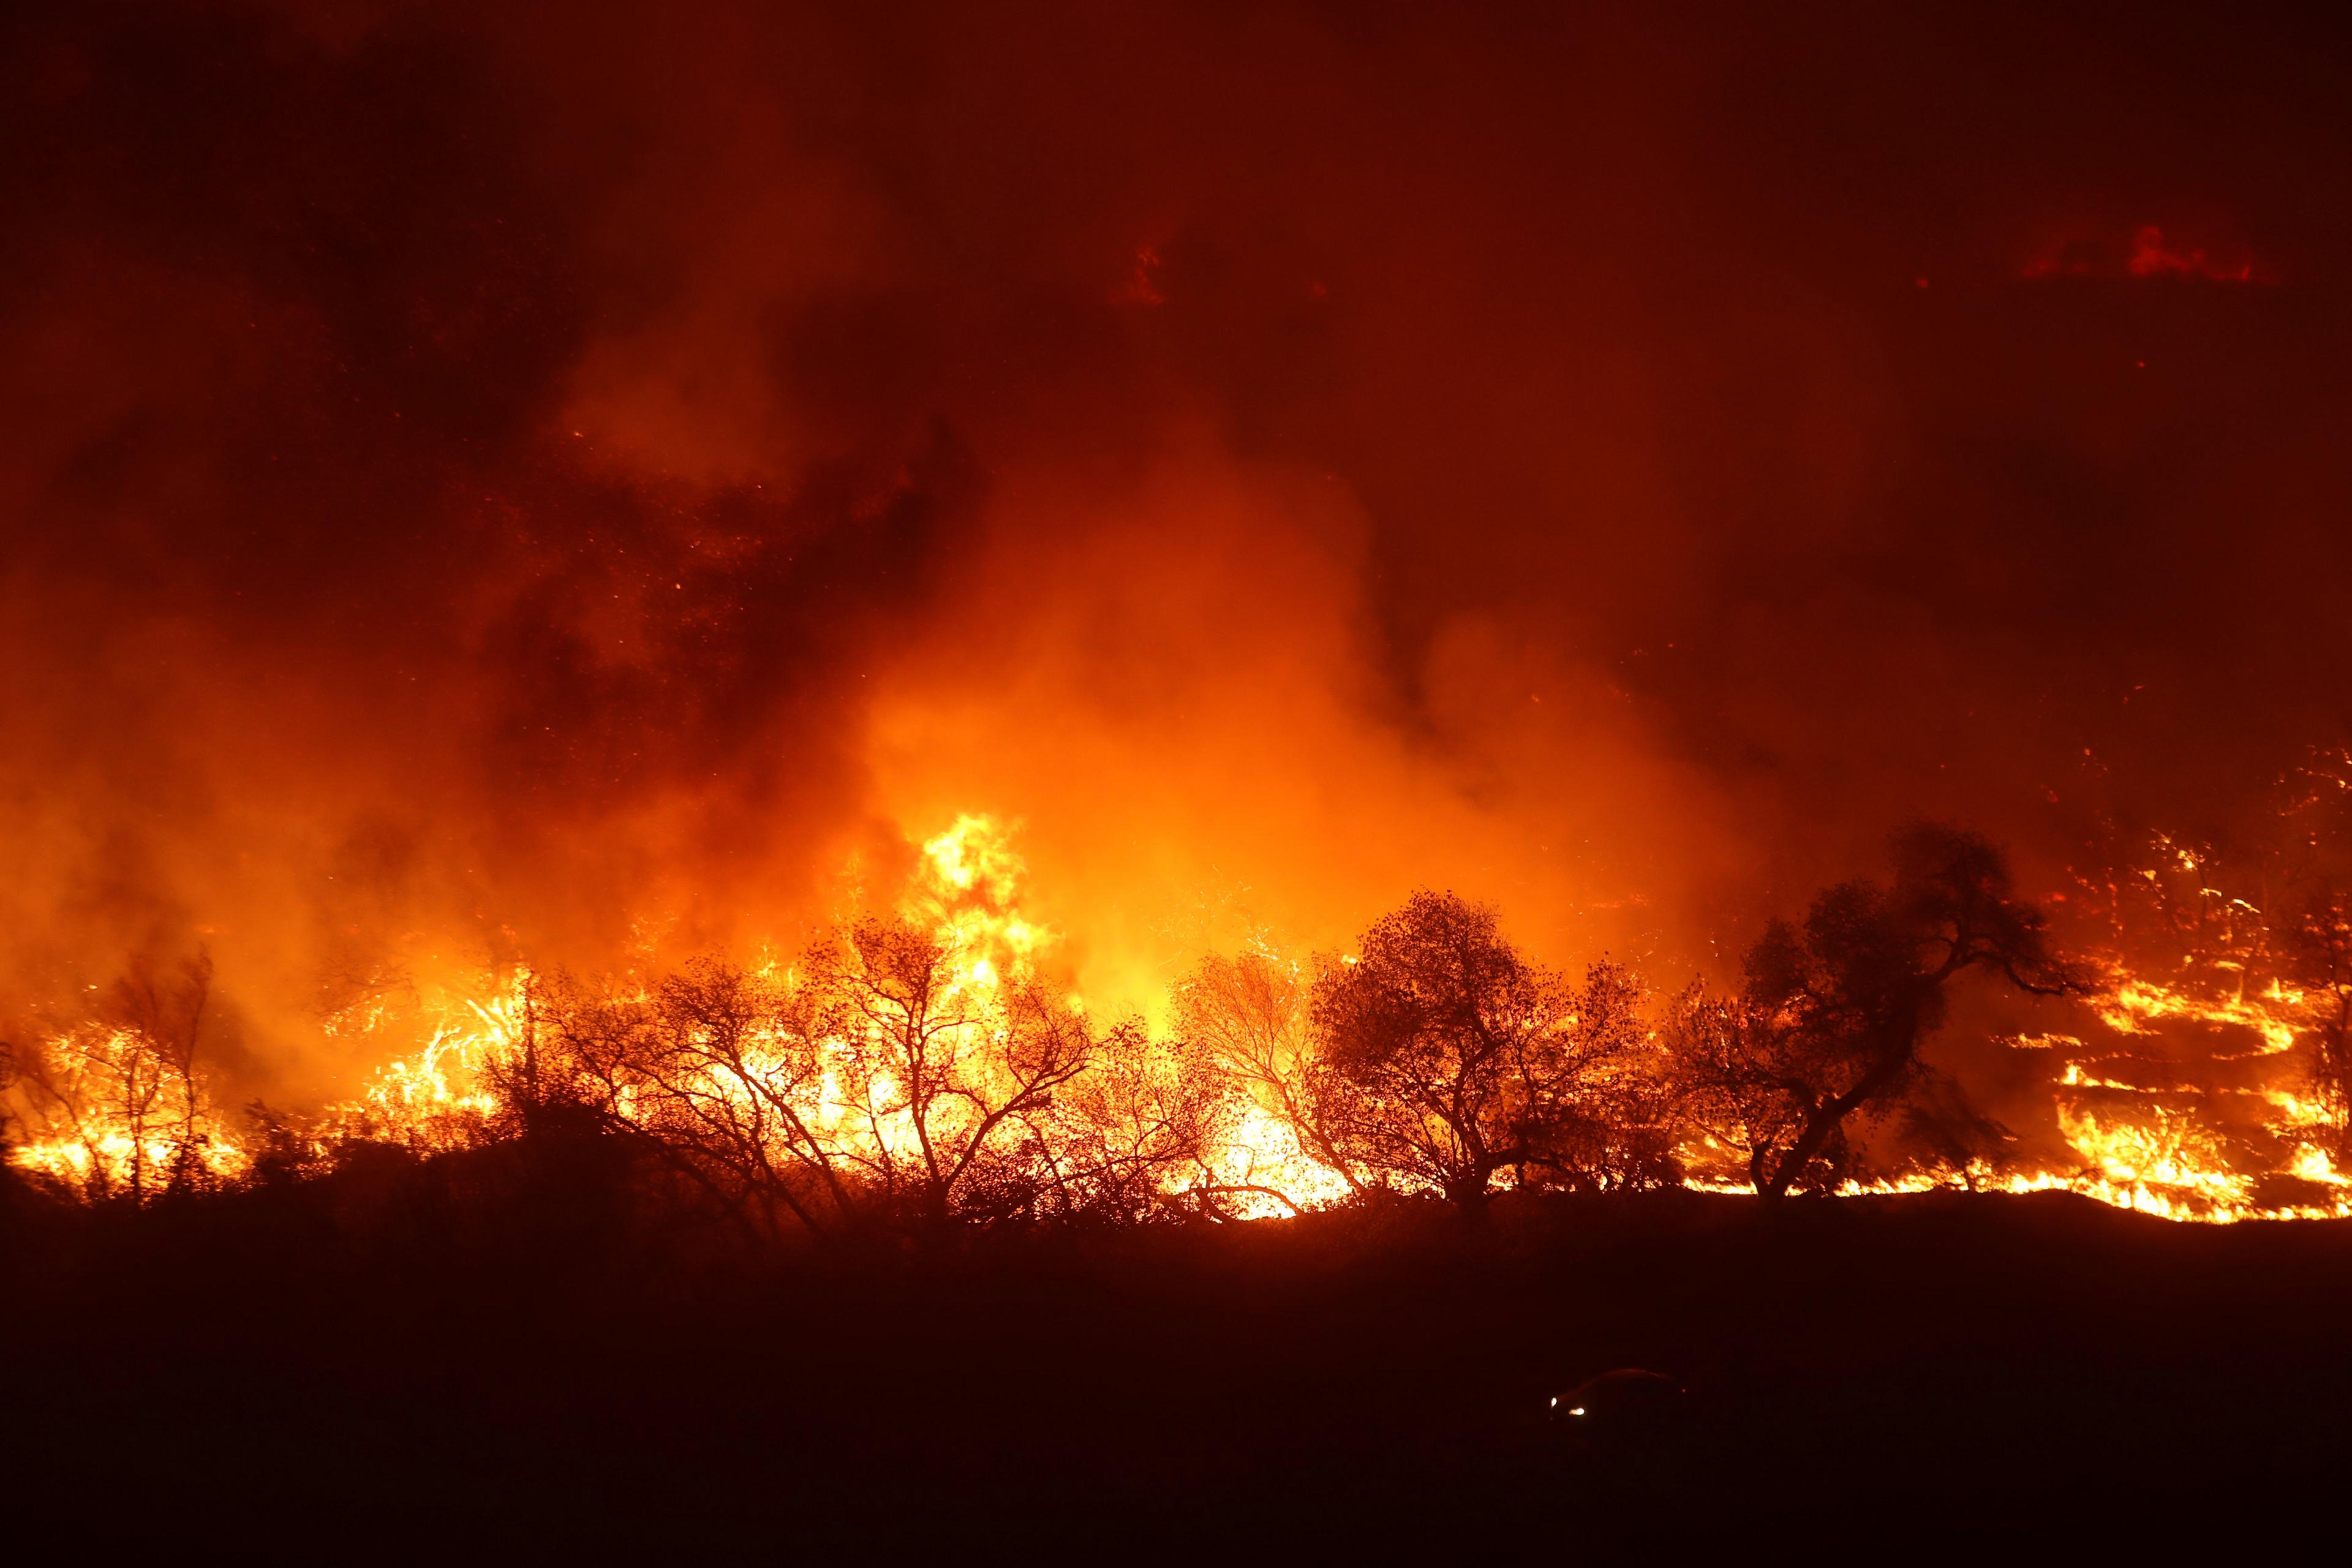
551	481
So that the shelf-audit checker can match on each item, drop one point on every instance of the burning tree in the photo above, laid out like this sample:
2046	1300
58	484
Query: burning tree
716	1071
1606	1115
894	1079
1247	1020
1138	1134
117	1107
1462	1059
949	1073
1831	1020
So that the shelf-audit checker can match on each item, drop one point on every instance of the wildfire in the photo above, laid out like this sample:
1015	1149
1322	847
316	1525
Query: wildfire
2131	1005
967	889
764	1059
119	1116
2160	1147
2168	1152
437	1097
2133	1150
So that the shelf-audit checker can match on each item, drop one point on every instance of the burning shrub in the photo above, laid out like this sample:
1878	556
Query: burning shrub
893	1080
1607	1122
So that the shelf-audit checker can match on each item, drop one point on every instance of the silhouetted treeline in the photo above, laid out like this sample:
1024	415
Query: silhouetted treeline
903	1080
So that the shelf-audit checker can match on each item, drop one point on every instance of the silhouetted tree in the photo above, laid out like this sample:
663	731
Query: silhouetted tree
718	1072
11	1118
1730	1086
947	1073
1608	1122
1134	1135
167	1017
1834	1014
894	1078
1466	1058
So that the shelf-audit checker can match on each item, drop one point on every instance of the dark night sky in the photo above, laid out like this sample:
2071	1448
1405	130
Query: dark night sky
481	476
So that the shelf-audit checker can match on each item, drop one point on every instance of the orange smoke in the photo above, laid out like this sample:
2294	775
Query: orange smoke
564	488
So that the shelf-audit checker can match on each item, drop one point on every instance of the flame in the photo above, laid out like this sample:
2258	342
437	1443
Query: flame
117	1118
118	1121
2169	1150
968	890
2150	1146
438	1099
2131	1005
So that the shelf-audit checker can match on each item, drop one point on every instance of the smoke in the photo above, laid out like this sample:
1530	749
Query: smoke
564	477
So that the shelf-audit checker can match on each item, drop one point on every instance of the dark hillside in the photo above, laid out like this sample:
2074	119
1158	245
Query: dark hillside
449	1353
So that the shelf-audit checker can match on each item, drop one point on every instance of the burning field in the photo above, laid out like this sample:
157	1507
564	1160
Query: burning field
973	705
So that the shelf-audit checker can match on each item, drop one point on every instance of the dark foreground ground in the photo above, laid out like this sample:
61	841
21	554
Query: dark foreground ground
460	1364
